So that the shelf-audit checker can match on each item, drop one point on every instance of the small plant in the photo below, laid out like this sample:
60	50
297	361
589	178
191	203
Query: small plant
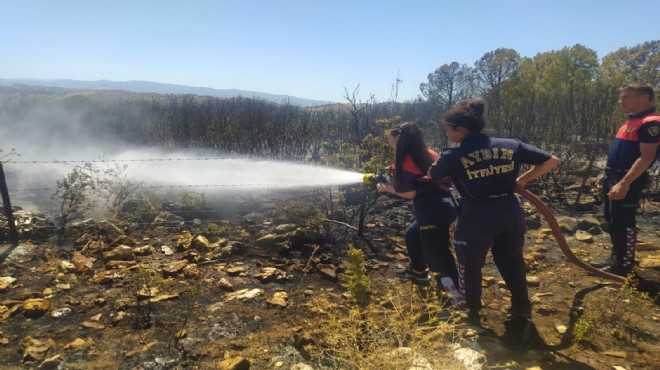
213	229
394	331
146	284
585	330
73	197
356	281
615	313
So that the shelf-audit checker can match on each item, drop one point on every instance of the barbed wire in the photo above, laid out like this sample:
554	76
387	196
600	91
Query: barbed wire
77	161
270	186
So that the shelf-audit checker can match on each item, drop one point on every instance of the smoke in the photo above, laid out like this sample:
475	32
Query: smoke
52	141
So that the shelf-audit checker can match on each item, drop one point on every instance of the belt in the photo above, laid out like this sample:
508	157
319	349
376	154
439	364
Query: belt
489	197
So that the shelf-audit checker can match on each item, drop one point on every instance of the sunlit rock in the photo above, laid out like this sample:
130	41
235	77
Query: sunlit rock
235	363
470	358
279	299
201	243
112	265
144	250
174	268
147	292
650	262
164	297
60	312
284	228
93	325
51	363
584	237
226	285
533	280
6	282
191	271
487	281
118	317
243	295
589	224
5	313
271	241
35	307
166	250
67	266
184	241
269	274
643	246
106	277
34	350
237	271
568	225
618	354
119	253
328	271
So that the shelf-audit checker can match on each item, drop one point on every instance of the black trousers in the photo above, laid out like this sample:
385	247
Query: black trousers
497	225
621	217
427	238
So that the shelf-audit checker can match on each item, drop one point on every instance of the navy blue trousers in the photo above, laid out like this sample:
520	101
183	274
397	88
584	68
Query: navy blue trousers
427	238
621	217
497	225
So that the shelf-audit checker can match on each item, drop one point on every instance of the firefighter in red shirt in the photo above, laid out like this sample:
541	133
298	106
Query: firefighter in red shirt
633	151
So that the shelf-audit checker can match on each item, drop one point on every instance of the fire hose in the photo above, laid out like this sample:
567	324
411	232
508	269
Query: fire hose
371	178
559	236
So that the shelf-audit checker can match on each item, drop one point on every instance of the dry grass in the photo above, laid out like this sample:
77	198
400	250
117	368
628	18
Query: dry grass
615	314
398	330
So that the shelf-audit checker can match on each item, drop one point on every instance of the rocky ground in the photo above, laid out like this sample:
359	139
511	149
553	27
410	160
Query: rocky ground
249	290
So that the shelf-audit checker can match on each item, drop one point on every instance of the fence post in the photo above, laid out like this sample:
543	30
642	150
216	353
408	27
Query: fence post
13	233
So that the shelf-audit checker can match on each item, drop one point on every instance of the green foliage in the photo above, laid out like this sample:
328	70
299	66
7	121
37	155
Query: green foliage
73	195
397	330
613	315
634	64
192	204
213	229
146	283
355	280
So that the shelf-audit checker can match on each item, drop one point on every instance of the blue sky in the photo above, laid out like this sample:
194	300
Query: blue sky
305	48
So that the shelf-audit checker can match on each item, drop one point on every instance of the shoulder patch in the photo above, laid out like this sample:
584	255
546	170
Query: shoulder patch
654	130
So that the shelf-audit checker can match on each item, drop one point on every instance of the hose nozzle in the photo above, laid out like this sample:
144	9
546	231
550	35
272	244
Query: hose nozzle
375	178
369	178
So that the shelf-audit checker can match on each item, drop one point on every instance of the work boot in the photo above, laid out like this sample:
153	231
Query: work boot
522	311
420	278
603	262
617	270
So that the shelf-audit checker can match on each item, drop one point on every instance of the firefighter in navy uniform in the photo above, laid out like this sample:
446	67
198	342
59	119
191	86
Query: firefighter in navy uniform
633	151
427	238
485	170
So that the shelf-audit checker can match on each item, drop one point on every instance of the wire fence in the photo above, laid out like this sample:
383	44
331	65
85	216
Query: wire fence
79	161
177	159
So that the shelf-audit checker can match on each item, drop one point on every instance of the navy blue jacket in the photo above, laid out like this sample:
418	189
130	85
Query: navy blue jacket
485	167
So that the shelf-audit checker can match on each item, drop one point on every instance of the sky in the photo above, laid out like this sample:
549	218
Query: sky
314	49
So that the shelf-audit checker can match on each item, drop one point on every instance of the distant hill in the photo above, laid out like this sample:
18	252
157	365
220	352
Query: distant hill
161	88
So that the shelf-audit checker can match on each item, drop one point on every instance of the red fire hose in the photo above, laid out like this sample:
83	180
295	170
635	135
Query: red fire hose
556	230
559	236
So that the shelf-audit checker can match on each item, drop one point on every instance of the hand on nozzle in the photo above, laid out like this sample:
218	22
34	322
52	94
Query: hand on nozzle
384	187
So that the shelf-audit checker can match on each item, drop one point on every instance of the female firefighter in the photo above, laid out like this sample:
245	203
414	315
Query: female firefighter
485	170
427	238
